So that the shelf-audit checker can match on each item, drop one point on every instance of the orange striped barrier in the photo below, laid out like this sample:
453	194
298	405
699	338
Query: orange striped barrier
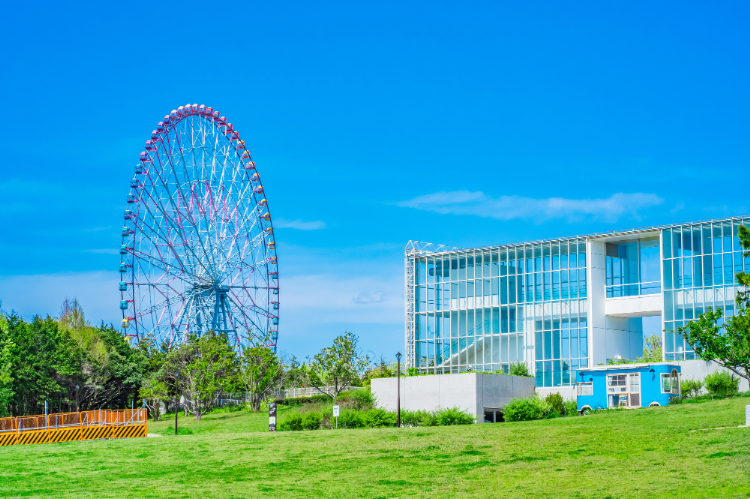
73	426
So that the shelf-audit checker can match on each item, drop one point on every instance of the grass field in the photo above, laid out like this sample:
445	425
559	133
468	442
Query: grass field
638	453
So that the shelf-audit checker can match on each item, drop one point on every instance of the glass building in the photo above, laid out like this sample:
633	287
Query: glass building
562	304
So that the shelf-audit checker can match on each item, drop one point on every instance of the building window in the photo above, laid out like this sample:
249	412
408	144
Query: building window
633	268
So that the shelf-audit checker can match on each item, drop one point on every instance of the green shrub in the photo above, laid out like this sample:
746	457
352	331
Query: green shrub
452	416
360	400
311	420
418	418
721	384
691	387
571	408
556	403
376	418
412	371
675	400
526	409
291	422
519	369
303	400
350	419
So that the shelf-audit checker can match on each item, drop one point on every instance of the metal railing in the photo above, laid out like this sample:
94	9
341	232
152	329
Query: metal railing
309	391
69	426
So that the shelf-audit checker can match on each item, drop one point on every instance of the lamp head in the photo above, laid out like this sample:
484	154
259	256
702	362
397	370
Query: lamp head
398	355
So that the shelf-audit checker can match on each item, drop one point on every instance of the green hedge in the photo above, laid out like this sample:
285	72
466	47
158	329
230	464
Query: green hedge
303	400
372	418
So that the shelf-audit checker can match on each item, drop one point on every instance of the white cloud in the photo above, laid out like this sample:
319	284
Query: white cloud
364	298
512	207
299	224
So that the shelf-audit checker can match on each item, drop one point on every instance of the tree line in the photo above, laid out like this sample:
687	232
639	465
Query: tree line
74	366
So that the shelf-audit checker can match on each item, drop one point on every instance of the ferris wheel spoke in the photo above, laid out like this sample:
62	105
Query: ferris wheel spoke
177	228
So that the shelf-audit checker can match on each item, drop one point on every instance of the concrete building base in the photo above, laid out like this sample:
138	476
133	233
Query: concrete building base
471	392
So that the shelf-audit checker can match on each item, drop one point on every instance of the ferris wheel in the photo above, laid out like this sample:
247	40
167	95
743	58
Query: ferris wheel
198	251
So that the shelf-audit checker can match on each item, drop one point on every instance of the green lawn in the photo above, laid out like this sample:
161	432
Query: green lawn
638	453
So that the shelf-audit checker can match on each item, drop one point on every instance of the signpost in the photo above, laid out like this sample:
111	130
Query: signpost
272	416
336	415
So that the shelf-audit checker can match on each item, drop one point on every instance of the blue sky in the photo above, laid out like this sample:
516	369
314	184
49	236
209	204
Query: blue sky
464	123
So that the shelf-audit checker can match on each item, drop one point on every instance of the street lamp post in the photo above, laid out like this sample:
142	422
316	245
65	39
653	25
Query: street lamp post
398	390
176	400
77	388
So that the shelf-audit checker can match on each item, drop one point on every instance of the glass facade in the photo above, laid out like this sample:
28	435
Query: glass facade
481	310
633	268
699	265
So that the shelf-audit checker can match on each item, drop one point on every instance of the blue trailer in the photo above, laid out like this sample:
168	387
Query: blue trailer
626	385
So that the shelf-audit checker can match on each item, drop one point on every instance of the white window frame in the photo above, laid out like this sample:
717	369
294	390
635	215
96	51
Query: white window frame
590	384
673	374
625	390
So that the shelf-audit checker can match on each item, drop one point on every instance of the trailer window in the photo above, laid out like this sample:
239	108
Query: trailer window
585	388
670	382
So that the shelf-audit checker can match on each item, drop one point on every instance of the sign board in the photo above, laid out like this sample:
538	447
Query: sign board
272	416
335	411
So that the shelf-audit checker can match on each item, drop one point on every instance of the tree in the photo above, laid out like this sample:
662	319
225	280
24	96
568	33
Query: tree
6	369
295	375
338	366
260	371
652	349
725	341
154	392
380	369
201	370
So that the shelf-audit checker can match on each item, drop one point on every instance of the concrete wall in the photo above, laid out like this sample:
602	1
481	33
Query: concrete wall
471	392
698	369
567	392
635	306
